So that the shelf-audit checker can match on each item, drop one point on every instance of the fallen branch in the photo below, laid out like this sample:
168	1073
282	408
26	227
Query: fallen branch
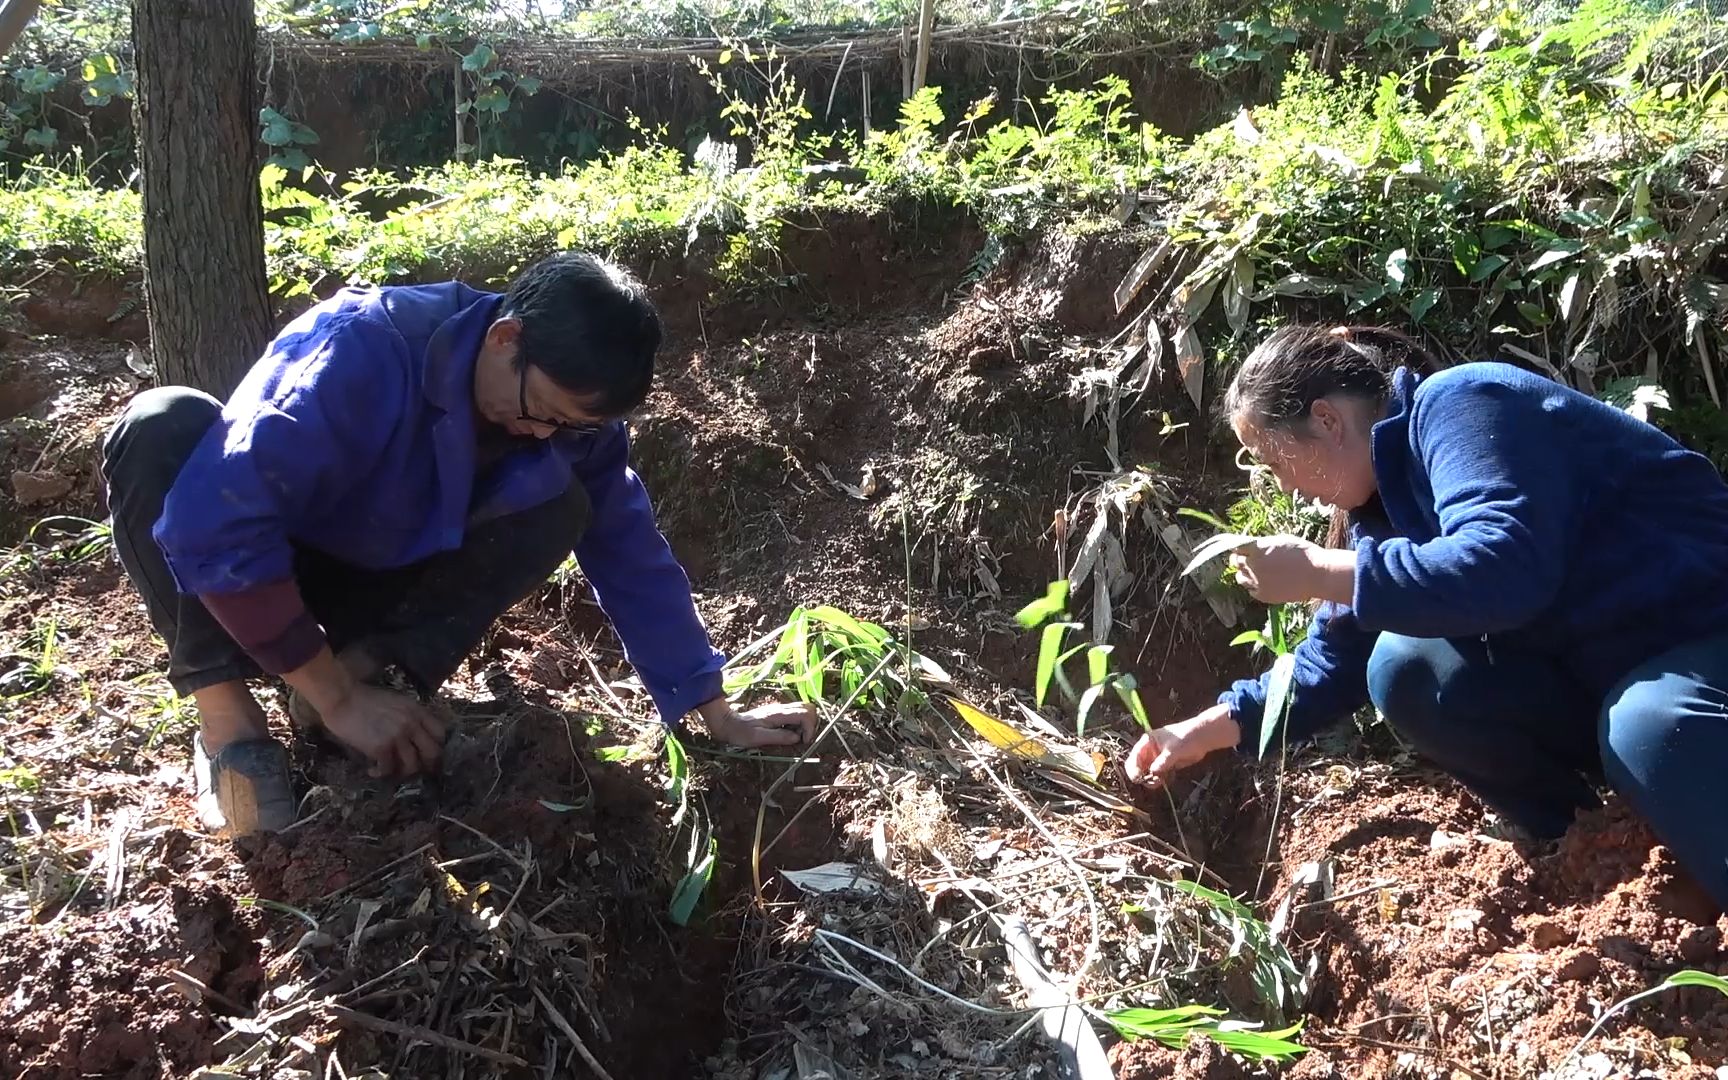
563	1025
205	990
421	1034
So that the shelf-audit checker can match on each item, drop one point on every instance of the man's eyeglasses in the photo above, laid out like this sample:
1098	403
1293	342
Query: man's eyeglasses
579	428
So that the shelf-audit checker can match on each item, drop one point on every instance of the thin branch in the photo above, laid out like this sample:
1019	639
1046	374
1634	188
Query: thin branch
421	1034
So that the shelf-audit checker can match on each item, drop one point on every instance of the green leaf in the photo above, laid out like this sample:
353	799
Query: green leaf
1098	663
1129	691
493	99
1201	515
1398	267
528	84
1690	977
480	59
612	753
1087	700
98	65
1251	637
1487	266
1422	302
1049	644
1279	697
815	668
42	138
1053	603
1214	547
691	885
1557	253
37	80
678	777
1636	395
1261	1044
1497	236
862	632
1228	905
1142	1023
1465	252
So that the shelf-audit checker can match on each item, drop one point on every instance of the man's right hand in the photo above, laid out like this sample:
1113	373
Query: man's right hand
1163	752
399	735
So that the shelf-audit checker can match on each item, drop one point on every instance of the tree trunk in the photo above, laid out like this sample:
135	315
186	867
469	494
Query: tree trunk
204	283
15	15
926	23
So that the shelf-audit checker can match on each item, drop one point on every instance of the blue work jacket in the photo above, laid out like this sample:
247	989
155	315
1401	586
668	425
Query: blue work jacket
1520	512
355	435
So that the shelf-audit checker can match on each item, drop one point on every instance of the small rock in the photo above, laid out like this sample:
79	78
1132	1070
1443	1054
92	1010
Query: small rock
1465	919
30	488
1547	934
1579	966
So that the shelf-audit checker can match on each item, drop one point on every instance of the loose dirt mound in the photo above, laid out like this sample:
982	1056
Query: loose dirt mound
1446	948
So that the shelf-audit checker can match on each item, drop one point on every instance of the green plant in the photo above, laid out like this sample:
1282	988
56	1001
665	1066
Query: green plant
35	665
169	715
704	847
1175	1027
1054	654
1278	981
286	139
823	654
19	778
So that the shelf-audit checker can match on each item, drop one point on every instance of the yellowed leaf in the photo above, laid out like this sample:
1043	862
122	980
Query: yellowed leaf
1011	740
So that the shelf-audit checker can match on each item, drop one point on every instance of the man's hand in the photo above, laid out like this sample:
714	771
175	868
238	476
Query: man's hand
1163	752
398	734
1289	569
779	724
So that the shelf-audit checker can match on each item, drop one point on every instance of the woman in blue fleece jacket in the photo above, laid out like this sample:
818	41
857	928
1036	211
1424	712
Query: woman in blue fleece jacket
1533	592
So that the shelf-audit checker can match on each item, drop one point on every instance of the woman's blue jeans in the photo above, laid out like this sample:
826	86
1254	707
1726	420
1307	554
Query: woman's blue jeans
1516	730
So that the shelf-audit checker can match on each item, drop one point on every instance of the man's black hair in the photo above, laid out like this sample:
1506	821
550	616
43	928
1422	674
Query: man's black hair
590	326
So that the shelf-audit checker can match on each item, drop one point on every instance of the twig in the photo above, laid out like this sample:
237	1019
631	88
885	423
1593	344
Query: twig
563	1025
425	1035
1352	894
379	980
824	936
378	873
516	860
202	988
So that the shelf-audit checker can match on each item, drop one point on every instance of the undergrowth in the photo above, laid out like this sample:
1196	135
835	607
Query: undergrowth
1548	191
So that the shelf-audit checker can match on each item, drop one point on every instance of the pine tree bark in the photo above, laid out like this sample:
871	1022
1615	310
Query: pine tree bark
197	119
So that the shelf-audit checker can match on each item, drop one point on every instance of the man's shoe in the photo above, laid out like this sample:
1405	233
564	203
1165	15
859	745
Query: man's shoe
245	787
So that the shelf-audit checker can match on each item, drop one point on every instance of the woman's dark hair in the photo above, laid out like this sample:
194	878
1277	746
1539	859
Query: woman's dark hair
1296	366
590	326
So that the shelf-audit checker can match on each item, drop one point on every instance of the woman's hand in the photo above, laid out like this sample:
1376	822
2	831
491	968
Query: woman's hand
1289	569
1163	752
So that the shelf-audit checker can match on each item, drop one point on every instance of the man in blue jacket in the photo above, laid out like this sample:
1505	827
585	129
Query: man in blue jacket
392	476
